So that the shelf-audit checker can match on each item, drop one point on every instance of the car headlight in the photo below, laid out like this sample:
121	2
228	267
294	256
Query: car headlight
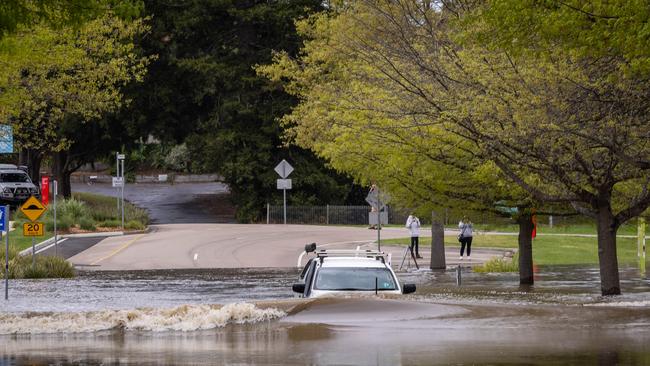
33	190
7	190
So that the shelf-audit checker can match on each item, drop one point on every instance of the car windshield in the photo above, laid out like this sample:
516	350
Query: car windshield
358	279
14	177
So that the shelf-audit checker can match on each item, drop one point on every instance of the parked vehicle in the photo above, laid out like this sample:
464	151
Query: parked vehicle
15	185
333	272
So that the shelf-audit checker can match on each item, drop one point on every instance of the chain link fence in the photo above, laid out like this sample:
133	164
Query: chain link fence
329	215
358	215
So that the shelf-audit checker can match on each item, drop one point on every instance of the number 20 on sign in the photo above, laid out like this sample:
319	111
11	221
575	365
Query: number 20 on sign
33	229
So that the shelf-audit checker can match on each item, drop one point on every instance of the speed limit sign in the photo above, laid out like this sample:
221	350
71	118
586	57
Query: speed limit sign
33	229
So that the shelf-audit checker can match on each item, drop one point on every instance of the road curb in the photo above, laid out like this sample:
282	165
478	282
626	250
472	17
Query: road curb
38	246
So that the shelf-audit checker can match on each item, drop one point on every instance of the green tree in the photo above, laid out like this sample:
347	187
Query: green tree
60	80
15	14
356	113
204	91
566	127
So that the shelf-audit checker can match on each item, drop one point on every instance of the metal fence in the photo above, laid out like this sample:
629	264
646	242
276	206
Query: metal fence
358	215
329	215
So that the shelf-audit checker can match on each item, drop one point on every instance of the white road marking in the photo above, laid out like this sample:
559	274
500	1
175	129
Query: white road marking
196	256
51	245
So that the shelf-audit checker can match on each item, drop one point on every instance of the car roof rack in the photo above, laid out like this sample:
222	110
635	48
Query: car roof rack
365	253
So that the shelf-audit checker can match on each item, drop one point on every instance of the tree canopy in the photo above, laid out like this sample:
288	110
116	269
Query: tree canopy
58	80
563	124
203	90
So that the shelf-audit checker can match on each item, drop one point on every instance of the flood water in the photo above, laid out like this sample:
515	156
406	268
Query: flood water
246	316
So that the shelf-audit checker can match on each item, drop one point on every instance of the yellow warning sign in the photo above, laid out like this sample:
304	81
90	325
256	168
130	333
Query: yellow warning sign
33	229
32	208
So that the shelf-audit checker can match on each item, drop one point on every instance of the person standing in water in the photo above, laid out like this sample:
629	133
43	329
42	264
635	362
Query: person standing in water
413	224
465	237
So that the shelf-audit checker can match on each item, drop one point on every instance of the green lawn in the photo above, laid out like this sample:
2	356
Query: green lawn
628	229
546	250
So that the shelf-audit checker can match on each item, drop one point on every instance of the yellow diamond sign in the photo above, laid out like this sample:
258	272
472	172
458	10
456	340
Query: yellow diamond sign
32	208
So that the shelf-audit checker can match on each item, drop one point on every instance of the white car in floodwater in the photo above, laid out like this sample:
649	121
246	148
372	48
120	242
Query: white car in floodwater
333	272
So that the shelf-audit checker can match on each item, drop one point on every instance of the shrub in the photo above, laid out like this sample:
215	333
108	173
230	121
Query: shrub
499	265
134	225
86	223
110	223
56	267
63	223
178	158
74	209
45	266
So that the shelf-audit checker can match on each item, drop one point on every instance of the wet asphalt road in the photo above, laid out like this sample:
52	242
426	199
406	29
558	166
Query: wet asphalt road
186	203
69	247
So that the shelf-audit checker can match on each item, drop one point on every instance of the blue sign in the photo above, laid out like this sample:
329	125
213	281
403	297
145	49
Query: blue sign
6	139
4	218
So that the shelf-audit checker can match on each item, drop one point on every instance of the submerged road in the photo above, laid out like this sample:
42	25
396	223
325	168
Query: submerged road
189	232
189	203
239	246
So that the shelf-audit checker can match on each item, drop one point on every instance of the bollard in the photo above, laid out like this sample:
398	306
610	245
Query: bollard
458	276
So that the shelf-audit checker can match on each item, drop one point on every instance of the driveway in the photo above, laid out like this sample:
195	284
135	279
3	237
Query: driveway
173	203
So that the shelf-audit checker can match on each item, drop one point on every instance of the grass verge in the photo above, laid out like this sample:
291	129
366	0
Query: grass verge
547	250
43	266
626	229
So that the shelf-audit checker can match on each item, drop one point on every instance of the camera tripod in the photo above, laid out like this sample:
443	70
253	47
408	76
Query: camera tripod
407	251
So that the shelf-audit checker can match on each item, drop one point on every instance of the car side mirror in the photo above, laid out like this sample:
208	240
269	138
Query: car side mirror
407	288
300	288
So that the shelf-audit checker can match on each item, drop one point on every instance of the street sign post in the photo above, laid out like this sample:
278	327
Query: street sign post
4	229
118	182
284	183
33	229
284	169
55	191
33	209
6	139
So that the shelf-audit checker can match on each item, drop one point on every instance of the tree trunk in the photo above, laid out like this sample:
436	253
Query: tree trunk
525	249
437	243
23	157
61	173
32	159
609	281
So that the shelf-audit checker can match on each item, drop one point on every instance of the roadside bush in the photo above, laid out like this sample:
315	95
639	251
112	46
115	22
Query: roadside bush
86	223
74	209
178	158
499	265
63	223
46	266
29	271
110	223
132	213
134	225
56	267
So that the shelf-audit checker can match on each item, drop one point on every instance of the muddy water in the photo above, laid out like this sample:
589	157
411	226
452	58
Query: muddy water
177	317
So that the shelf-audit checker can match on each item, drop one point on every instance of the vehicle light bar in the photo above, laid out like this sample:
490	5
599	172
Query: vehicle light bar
349	253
